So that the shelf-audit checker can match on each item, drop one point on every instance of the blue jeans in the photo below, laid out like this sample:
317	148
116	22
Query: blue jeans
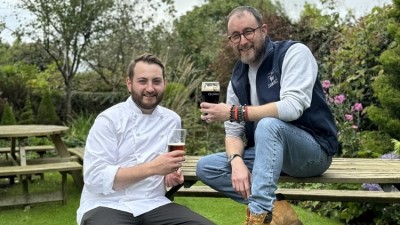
279	148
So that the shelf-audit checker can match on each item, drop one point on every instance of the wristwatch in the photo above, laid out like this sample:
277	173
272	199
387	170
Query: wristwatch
232	156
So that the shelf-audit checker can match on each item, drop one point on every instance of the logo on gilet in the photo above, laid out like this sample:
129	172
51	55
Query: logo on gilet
272	79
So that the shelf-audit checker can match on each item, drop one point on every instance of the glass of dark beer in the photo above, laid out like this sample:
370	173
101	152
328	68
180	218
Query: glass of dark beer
176	140
210	92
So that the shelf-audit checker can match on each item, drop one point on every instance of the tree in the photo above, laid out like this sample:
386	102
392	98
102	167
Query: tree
46	111
386	86
65	28
111	52
8	117
27	115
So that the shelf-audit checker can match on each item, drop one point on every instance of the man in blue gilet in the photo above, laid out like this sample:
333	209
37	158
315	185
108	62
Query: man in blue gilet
276	121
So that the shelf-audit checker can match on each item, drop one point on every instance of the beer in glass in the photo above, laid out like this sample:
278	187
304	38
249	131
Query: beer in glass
176	140
210	92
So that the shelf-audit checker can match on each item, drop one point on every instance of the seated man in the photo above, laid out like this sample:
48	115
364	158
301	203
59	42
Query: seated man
126	166
275	99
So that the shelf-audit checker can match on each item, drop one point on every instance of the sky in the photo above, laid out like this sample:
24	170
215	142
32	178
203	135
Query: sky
292	7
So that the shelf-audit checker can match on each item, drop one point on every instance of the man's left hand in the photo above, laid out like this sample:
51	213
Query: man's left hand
174	178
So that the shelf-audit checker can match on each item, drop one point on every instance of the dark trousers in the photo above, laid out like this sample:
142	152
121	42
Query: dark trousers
169	214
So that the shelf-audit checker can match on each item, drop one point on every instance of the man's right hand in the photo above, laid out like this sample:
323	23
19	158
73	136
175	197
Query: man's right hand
169	162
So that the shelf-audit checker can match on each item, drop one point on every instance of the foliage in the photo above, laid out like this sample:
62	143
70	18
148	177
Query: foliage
319	32
347	117
13	83
126	37
373	144
65	29
353	60
84	102
396	147
79	129
28	53
181	95
46	111
8	117
27	116
385	113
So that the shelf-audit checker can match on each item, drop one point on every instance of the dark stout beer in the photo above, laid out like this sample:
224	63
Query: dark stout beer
210	92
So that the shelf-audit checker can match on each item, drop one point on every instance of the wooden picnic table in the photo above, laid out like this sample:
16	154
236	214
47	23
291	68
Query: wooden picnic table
383	172
19	133
21	166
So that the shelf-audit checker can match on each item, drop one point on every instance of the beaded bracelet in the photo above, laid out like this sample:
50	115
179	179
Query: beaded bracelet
240	118
238	113
231	116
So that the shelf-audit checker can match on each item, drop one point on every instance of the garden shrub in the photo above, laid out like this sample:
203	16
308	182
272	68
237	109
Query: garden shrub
27	116
46	111
8	117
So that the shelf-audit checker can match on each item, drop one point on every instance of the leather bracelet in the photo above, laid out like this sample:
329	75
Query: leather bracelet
236	115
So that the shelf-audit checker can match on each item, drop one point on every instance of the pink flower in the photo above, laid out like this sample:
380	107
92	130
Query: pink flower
326	84
357	107
348	117
354	127
339	99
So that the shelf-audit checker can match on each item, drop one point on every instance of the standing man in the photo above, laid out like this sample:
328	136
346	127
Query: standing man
126	166
275	100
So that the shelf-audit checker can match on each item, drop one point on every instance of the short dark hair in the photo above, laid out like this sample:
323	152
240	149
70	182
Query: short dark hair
147	58
241	9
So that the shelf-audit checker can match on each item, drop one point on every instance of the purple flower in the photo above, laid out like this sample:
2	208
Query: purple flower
371	187
390	155
326	84
357	107
339	99
348	117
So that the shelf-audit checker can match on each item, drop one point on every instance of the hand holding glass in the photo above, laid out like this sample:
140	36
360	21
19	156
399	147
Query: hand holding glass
176	140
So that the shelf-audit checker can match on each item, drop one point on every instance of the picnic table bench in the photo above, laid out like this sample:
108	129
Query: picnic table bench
27	198
384	172
40	149
17	163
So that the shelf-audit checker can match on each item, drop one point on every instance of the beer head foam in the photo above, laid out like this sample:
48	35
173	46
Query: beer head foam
210	86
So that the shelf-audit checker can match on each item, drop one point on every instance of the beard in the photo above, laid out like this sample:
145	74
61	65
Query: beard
147	101
251	53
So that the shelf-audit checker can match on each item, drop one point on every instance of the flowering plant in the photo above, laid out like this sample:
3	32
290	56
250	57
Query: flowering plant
348	118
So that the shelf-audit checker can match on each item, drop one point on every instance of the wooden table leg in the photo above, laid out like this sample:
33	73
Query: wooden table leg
62	151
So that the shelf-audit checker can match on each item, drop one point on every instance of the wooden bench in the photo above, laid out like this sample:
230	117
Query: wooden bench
77	152
40	149
343	170
26	198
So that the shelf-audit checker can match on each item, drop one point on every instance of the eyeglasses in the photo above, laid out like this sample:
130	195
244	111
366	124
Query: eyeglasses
248	34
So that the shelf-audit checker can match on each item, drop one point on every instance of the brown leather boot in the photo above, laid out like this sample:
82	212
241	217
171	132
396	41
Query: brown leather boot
283	214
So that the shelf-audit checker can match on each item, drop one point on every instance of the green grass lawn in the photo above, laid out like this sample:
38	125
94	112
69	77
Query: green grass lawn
222	211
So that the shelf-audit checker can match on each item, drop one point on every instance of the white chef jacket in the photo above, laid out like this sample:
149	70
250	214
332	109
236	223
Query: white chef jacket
123	136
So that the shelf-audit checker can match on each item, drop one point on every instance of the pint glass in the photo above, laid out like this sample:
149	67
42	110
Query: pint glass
176	140
210	92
